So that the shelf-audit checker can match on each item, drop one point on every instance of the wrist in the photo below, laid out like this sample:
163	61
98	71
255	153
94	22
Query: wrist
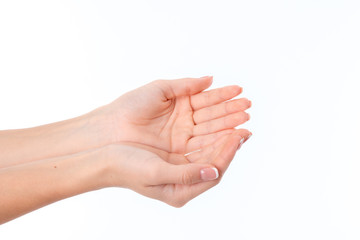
100	167
109	159
103	126
117	164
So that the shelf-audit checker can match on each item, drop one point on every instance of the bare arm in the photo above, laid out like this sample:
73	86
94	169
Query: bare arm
172	115
168	177
26	187
52	140
177	142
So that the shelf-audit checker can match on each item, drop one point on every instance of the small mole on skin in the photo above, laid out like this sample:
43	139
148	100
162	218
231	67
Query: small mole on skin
55	167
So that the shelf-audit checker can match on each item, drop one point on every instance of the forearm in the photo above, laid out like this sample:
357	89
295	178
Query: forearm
89	131
27	187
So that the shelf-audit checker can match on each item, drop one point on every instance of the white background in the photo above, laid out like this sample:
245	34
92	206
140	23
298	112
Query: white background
298	61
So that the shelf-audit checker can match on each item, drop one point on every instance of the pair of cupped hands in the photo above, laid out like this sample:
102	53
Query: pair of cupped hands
174	140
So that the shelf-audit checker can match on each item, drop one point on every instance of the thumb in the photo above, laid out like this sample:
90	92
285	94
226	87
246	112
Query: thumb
184	86
187	173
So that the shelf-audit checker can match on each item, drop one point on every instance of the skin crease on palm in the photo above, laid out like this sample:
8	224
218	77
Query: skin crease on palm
155	166
170	140
182	118
184	126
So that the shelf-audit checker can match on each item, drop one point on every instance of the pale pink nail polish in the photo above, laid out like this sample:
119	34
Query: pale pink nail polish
241	143
208	174
247	138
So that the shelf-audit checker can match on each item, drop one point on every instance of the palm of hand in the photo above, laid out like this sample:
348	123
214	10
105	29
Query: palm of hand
175	116
166	119
169	177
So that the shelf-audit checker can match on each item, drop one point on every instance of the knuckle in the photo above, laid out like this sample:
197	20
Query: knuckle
187	90
223	95
153	176
240	117
209	126
165	87
227	121
210	113
186	178
228	107
157	82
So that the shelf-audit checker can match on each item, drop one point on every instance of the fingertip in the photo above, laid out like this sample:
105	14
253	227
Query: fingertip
248	136
209	76
231	91
242	137
242	133
209	174
246	102
240	89
237	89
226	155
208	80
237	141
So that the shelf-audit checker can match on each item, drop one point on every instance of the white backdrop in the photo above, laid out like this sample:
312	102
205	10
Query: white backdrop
298	61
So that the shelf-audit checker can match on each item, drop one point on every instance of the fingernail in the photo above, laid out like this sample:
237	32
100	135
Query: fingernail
240	143
208	174
248	137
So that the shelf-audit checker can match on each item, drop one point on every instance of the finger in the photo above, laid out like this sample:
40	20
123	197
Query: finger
205	154
183	86
220	110
229	121
212	97
201	141
184	174
226	153
224	156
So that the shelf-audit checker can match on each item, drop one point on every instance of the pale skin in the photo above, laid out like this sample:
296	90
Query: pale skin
169	140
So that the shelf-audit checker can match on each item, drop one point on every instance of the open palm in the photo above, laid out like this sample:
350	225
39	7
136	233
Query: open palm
172	177
177	115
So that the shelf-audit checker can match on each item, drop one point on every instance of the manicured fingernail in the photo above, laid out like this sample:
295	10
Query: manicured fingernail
208	174
248	137
240	143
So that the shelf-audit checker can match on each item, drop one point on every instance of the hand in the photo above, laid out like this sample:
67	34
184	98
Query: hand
170	177
175	115
162	124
